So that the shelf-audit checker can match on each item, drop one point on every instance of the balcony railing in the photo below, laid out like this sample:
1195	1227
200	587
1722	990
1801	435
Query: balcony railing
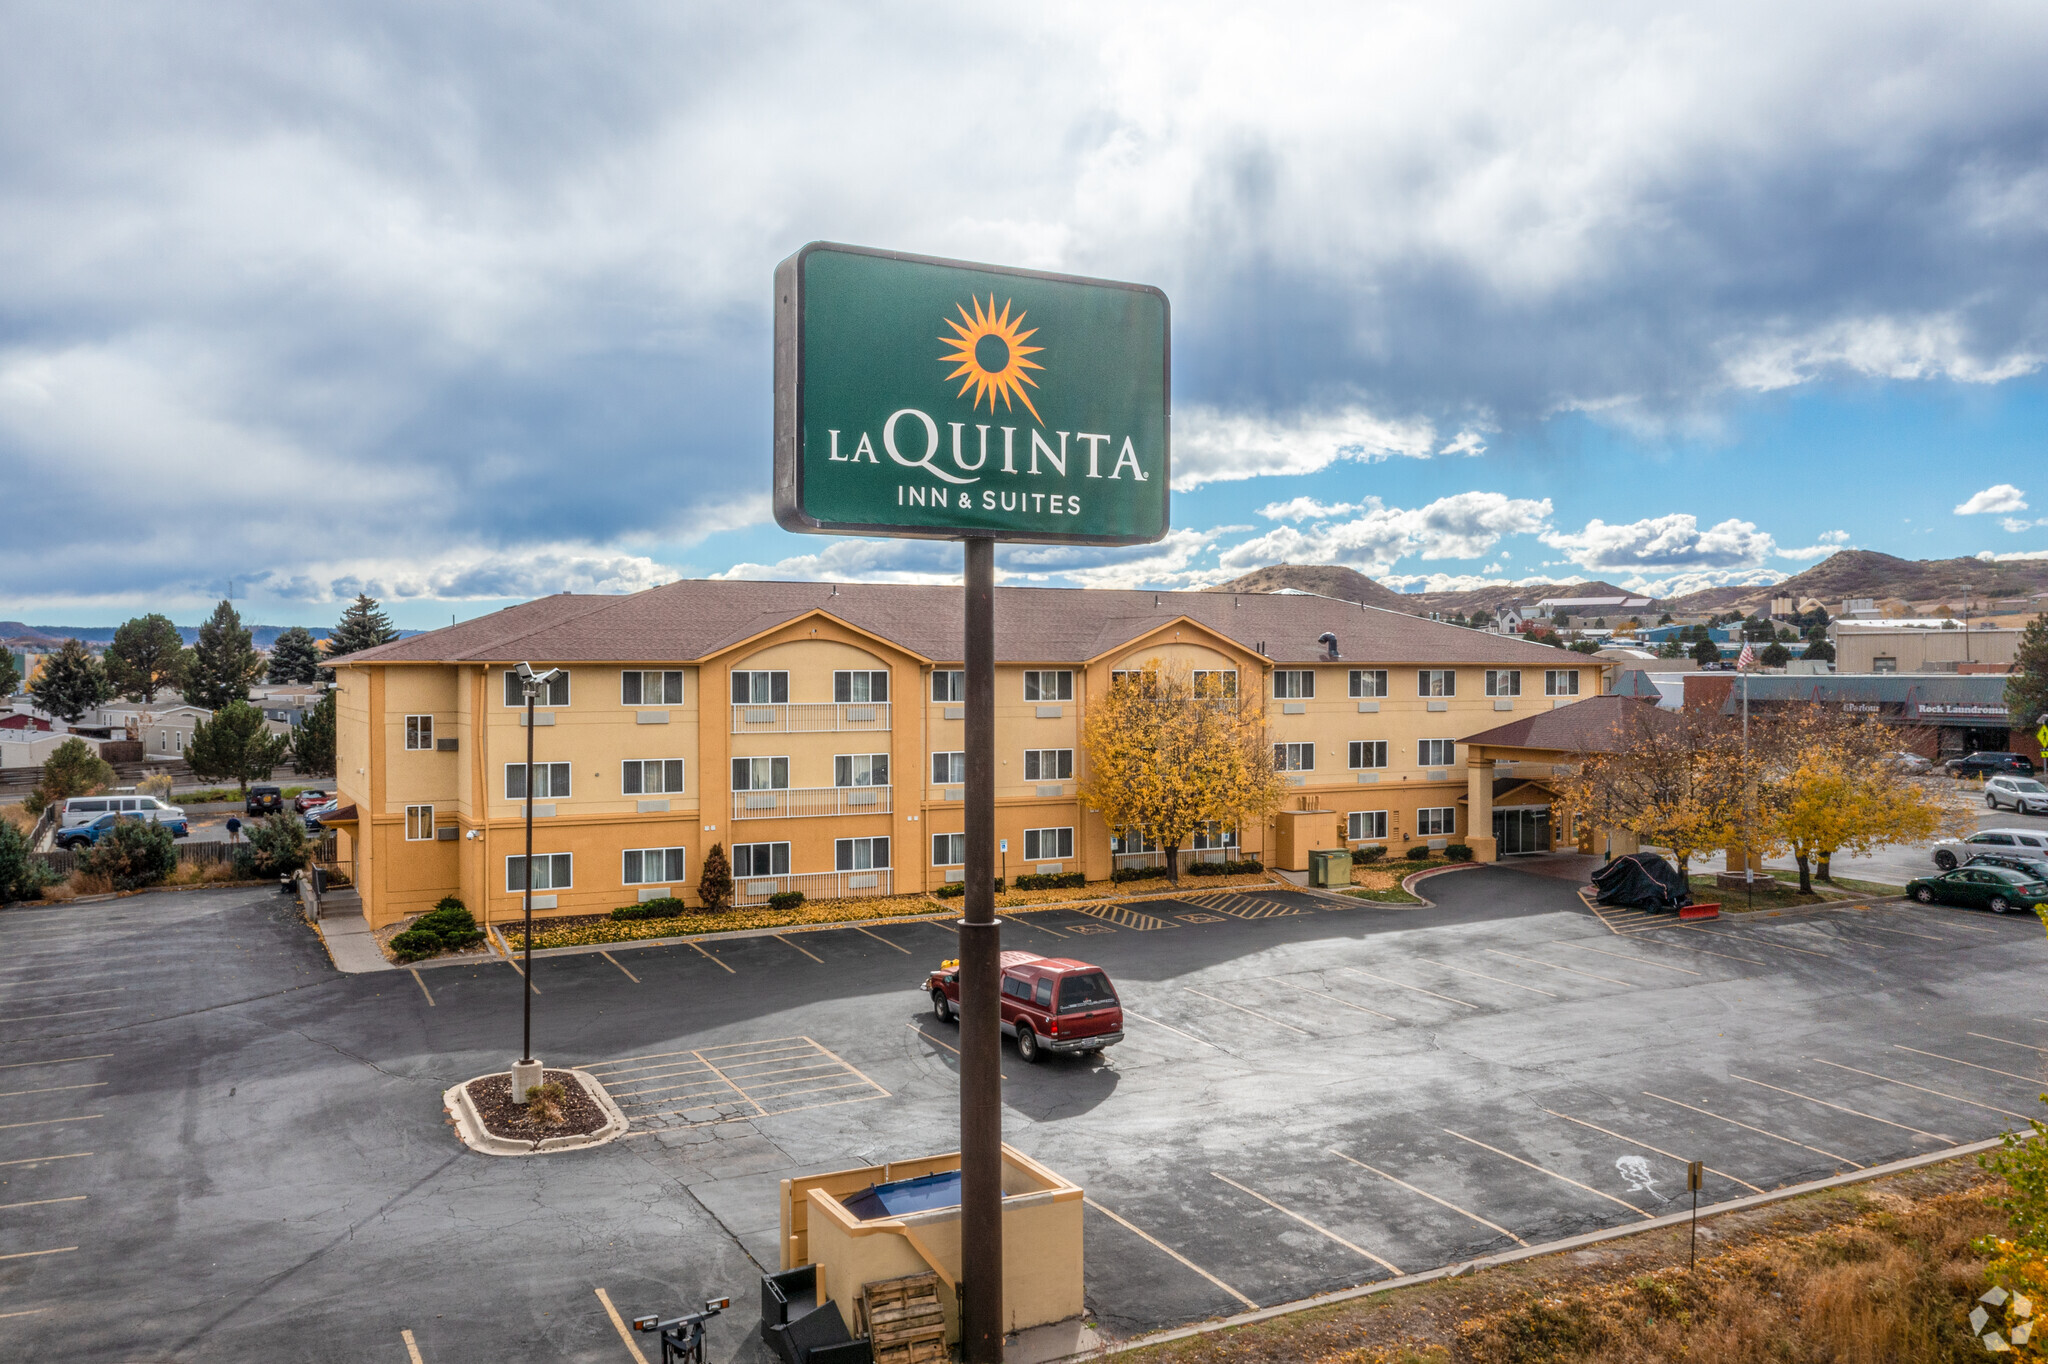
1188	857
806	802
811	717
816	885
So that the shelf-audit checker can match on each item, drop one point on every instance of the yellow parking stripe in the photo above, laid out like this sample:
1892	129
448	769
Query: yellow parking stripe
856	928
786	943
1324	994
1121	917
1940	1094
619	1323
412	1347
1758	1130
1931	1136
2008	1041
1430	1196
421	982
1552	1173
727	969
2030	1079
1387	1265
1632	1141
1155	1241
615	961
1253	1012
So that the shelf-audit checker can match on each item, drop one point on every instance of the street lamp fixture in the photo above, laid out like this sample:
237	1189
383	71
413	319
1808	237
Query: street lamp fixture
526	1071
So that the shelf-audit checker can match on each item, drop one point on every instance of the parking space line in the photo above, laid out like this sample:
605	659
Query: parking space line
1028	923
509	961
1552	1173
1483	976
1406	986
1727	956
1781	947
68	1013
1161	1245
615	961
2030	1079
52	1089
38	1160
1669	1155
67	994
421	982
28	1313
619	1323
1948	916
1640	961
2008	1041
858	929
31	1254
1253	1012
1514	956
1931	1136
46	1122
786	943
57	1060
1129	1012
708	957
1430	1196
39	1202
1922	1088
1904	933
848	1064
1324	994
1758	1130
412	1349
1387	1265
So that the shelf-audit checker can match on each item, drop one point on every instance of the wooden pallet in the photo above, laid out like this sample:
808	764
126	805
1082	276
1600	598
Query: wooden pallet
905	1321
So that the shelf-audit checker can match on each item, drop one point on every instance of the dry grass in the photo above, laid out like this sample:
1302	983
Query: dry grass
201	873
17	816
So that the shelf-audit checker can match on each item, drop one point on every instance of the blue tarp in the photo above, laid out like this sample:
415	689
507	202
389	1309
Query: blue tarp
905	1196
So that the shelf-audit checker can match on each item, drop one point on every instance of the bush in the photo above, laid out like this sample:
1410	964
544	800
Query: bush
133	854
1245	868
785	899
1457	852
449	902
664	907
444	928
1369	854
1051	880
1418	853
953	890
277	847
21	877
1123	874
714	885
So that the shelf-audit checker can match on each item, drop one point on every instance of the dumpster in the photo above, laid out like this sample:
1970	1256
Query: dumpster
1329	867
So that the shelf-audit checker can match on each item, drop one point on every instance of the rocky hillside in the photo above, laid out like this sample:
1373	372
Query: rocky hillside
1867	573
1346	584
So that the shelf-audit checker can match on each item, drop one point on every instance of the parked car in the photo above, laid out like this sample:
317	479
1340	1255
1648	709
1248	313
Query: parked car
314	815
2032	863
1048	1003
1997	889
88	835
1983	764
1950	852
1910	763
263	799
308	799
81	810
2024	794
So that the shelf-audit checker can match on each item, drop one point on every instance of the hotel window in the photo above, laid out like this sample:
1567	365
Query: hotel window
555	693
1436	682
1132	841
1442	820
1503	682
1137	677
949	850
949	684
550	781
1046	845
1294	757
1213	835
1368	682
1048	764
1048	685
858	687
419	731
760	859
1220	683
760	688
1436	752
1365	824
860	769
651	688
653	777
646	866
419	823
949	769
551	871
1561	682
1368	752
860	854
760	774
1294	684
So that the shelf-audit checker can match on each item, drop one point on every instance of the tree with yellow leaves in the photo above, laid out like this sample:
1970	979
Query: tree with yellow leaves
1675	781
1165	757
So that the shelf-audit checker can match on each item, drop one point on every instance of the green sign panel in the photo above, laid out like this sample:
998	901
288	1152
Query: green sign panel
922	397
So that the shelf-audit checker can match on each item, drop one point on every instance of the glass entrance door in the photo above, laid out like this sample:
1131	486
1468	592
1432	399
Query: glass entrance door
1525	830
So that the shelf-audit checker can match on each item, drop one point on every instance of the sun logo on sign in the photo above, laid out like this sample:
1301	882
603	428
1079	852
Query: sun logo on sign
991	355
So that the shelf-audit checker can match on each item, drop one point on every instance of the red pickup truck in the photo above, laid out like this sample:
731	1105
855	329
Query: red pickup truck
1049	1003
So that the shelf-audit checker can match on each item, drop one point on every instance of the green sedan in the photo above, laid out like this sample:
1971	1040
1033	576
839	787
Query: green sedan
1997	889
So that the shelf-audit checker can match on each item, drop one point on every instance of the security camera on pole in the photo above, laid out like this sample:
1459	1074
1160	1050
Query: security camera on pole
526	1070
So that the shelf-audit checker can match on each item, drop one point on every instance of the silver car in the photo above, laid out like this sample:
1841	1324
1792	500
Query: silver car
82	810
2022	794
1950	852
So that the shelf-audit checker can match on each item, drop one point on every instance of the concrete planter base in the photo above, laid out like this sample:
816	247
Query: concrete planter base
469	1123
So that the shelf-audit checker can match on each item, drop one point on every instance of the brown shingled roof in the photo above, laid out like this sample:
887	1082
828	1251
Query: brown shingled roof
695	618
1588	726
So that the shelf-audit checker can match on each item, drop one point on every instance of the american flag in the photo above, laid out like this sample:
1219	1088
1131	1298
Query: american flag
1746	659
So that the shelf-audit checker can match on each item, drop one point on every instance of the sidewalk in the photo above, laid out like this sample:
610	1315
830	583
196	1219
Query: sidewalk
347	934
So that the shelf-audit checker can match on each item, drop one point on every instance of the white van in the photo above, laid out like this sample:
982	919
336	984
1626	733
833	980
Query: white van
85	809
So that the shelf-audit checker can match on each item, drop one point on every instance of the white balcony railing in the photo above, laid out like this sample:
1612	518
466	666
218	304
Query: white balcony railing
816	885
811	717
1188	857
806	802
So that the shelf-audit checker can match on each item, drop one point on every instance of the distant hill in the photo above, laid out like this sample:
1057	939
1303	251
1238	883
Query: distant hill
263	636
1346	584
1867	573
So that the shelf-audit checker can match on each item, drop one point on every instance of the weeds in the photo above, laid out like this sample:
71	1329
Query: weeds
547	1103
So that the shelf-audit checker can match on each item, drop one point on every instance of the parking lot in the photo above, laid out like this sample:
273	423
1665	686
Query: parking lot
213	1146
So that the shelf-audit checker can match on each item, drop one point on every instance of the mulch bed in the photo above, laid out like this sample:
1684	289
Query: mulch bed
492	1096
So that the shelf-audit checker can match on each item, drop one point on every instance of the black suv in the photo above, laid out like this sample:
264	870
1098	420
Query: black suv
264	799
1987	763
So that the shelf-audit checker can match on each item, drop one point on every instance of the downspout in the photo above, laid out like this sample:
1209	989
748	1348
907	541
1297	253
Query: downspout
483	728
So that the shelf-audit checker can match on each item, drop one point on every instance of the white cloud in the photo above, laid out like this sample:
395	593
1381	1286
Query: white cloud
1679	584
1663	543
1999	497
2011	557
1463	526
1213	446
1827	543
1307	509
1465	443
1452	582
1878	347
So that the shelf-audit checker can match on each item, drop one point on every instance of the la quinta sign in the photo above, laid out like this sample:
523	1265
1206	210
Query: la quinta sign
935	398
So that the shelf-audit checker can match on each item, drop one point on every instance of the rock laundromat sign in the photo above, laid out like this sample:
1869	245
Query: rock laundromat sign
934	398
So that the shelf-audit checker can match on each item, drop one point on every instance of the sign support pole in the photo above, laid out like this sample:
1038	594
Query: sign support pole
981	1038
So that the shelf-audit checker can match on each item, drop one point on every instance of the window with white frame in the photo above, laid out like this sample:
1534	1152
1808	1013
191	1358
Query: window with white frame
1436	682
860	686
1361	824
1048	764
1213	834
1368	682
760	774
949	850
949	684
760	688
647	866
859	854
650	688
760	859
1132	841
1294	757
419	731
551	871
554	693
1436	752
1218	683
1050	684
1368	753
1561	682
1503	681
419	823
1294	684
949	769
860	769
550	781
1046	845
1140	678
1436	821
652	777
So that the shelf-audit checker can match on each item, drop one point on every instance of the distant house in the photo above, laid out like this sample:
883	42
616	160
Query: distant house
1592	606
164	730
1508	620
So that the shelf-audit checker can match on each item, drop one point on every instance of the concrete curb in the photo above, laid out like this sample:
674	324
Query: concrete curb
1408	881
469	1124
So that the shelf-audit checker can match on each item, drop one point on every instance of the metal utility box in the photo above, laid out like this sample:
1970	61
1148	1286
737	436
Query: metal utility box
1329	867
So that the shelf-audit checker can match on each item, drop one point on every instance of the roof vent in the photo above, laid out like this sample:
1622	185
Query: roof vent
1329	641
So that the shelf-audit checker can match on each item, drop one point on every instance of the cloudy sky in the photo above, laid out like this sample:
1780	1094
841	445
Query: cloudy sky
465	304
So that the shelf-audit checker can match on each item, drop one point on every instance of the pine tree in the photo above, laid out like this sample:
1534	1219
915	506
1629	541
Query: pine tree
1775	655
224	662
294	657
2026	690
1705	652
362	627
10	675
145	657
313	740
714	885
235	744
71	683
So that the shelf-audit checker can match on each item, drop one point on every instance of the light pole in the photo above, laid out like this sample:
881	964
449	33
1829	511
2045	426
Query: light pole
526	1071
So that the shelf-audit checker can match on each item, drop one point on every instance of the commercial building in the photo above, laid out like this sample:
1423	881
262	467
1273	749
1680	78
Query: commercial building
816	731
1921	647
1939	715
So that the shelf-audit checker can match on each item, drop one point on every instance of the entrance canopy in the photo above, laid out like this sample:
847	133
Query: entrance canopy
1509	763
